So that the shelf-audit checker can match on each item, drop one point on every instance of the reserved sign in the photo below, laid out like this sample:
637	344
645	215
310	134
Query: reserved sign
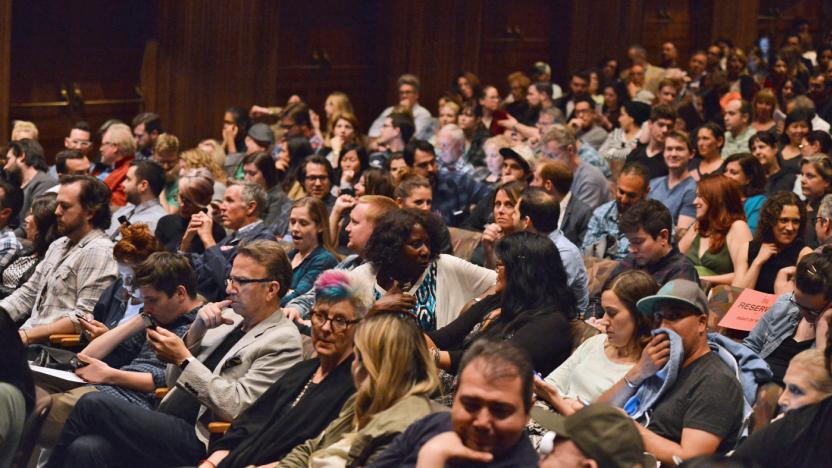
747	310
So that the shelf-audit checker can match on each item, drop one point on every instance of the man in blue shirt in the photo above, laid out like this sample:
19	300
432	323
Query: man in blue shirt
677	189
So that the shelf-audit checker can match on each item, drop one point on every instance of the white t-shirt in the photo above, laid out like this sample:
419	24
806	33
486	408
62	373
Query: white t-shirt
588	372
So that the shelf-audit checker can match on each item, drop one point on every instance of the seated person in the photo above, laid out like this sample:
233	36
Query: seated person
745	170
11	202
76	268
516	167
312	251
403	257
504	200
603	237
792	323
309	396
394	378
701	413
677	189
536	211
242	210
17	389
597	435
530	306
806	381
142	185
41	231
800	439
122	301
777	243
588	184
121	363
224	363
260	169
415	191
555	178
603	359
196	192
648	227
494	390
764	146
714	241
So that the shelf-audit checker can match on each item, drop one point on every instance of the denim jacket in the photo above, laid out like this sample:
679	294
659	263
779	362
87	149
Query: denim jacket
775	326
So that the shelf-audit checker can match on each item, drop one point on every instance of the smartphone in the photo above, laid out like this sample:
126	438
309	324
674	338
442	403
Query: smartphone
76	363
149	322
81	316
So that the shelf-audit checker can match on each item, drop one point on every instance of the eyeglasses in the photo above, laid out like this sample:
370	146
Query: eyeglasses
338	324
812	314
819	218
238	281
81	143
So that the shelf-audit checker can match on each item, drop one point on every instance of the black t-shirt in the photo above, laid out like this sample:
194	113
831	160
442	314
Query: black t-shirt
779	359
404	450
803	438
768	273
706	396
655	165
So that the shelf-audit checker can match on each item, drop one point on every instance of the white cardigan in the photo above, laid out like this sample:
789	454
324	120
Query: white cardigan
457	283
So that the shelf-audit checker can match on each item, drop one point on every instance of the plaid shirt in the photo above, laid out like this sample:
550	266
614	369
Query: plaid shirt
604	222
454	193
135	355
9	245
70	278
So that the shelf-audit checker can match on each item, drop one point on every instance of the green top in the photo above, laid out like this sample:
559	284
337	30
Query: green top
710	264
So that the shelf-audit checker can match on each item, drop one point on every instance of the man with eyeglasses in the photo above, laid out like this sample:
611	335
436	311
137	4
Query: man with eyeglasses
589	183
118	150
408	99
80	138
241	210
226	361
823	223
316	176
797	320
583	121
699	413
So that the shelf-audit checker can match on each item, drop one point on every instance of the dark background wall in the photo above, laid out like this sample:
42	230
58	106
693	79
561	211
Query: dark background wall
190	59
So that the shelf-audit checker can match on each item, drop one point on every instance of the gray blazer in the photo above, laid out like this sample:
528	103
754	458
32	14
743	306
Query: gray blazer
260	358
575	220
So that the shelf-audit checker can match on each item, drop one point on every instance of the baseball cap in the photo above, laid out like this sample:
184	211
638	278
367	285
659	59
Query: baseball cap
678	290
261	133
602	432
522	154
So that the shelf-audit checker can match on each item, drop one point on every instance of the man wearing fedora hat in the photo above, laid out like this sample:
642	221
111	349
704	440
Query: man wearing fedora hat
701	412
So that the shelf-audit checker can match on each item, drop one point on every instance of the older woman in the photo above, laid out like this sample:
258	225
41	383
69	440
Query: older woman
403	256
309	396
806	381
196	191
41	231
777	243
531	306
714	241
600	361
394	378
798	124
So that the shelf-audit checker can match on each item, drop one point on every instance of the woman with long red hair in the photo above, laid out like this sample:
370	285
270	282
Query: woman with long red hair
715	239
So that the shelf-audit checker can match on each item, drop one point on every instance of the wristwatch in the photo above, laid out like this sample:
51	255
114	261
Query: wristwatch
184	364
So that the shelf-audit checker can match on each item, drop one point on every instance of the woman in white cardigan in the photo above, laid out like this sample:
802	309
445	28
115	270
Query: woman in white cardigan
403	257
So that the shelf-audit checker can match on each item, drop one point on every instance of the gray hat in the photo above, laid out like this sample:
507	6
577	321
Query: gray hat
261	133
678	290
522	154
602	432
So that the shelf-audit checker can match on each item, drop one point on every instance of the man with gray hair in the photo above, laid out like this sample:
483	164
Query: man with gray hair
803	103
408	88
450	147
823	223
242	210
589	184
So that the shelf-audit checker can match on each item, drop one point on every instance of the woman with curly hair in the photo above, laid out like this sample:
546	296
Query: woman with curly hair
408	272
777	244
531	306
720	231
394	379
197	158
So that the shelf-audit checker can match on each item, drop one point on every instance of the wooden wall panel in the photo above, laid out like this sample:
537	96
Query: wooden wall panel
5	67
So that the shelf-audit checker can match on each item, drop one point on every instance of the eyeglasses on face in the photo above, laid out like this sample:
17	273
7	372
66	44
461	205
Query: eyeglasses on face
238	281
338	324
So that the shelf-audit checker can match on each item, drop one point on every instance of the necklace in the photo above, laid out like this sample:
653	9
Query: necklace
303	392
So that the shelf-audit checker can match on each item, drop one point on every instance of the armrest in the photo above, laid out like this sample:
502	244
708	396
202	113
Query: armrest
58	337
218	427
71	342
161	392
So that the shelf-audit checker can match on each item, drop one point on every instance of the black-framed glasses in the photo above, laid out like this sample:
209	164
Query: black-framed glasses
810	313
338	324
238	281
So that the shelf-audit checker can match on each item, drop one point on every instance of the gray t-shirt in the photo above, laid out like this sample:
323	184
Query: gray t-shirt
12	418
706	396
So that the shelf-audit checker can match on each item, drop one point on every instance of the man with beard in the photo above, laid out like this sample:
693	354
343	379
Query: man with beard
147	127
143	184
26	168
633	186
649	227
486	422
578	88
74	271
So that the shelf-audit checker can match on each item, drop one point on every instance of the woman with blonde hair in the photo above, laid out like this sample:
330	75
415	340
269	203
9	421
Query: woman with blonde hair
762	110
807	381
214	148
197	158
336	103
313	251
394	378
344	132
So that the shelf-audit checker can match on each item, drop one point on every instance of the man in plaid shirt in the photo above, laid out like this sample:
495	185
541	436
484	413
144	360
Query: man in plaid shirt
75	270
11	199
